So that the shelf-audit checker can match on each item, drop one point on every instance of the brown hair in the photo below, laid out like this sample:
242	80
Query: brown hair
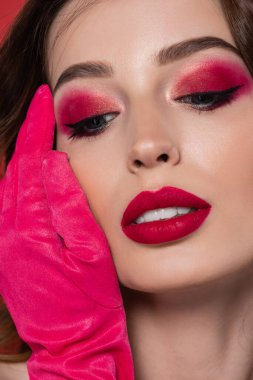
23	69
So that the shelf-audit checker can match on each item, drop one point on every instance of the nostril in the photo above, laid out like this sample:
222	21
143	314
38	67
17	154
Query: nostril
163	157
138	163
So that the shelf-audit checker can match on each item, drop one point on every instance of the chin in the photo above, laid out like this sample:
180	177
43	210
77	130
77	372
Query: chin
161	280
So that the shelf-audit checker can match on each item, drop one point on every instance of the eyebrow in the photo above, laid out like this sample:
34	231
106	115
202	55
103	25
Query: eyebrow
183	49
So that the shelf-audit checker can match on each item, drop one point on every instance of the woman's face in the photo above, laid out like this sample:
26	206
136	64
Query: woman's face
158	131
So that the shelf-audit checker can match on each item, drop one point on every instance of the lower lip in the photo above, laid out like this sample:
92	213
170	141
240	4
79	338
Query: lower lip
168	230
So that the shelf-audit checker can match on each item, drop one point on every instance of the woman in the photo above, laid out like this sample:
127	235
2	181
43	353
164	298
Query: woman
170	86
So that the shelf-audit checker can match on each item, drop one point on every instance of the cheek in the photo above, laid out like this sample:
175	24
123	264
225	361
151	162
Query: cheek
97	172
91	182
221	142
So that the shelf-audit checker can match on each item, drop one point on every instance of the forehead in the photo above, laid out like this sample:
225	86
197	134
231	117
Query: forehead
121	31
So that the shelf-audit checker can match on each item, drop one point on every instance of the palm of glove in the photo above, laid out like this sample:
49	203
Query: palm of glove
57	276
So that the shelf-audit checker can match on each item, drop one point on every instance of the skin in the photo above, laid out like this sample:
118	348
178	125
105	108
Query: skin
13	371
188	303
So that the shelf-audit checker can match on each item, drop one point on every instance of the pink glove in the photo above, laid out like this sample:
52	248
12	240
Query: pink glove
57	276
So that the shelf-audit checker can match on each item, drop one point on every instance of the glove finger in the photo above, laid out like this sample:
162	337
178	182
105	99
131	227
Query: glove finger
36	134
39	124
88	257
37	139
8	190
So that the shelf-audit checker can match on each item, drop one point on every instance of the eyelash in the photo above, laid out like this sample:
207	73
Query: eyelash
81	129
209	101
200	101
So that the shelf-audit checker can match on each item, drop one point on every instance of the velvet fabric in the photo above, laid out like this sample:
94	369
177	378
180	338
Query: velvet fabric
57	275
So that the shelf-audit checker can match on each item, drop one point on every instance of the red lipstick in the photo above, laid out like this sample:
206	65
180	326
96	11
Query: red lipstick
163	231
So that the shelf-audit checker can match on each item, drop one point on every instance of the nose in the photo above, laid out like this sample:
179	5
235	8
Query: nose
153	137
150	152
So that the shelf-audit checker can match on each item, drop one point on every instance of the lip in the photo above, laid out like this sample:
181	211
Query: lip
158	232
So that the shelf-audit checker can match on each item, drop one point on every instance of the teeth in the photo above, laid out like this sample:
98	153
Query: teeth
183	210
162	214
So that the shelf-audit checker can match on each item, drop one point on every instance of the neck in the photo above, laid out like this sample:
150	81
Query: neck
199	333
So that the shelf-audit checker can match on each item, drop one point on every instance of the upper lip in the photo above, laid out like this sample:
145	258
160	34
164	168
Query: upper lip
165	197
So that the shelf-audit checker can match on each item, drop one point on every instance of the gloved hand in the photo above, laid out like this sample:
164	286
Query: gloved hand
57	276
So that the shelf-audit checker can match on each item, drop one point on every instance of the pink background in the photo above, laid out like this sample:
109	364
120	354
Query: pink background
8	10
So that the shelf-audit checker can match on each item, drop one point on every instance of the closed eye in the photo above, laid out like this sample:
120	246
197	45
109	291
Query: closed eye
210	100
